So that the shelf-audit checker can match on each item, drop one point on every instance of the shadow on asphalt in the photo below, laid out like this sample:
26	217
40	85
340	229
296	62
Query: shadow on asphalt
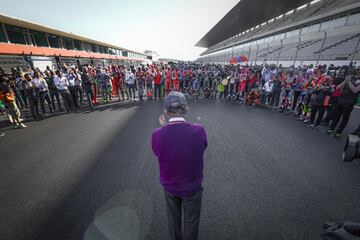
5	123
100	184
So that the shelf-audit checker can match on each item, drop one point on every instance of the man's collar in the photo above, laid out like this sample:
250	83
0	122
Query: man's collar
176	120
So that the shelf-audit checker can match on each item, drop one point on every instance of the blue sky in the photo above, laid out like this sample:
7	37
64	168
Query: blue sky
169	27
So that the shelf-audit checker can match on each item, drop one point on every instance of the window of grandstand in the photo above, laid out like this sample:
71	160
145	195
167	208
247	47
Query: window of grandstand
87	47
77	45
125	53
54	41
94	48
38	39
108	50
68	44
17	35
112	51
2	35
101	49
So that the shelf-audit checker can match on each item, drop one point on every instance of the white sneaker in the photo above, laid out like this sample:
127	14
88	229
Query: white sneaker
23	125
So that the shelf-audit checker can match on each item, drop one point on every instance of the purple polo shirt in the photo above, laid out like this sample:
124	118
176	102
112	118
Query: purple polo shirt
179	148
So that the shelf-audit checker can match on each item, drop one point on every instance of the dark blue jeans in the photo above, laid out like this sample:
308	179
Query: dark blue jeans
157	93
192	209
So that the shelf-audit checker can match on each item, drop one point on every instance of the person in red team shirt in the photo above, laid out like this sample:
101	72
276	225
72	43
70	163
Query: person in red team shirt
122	85
140	80
176	81
157	82
168	81
115	83
92	73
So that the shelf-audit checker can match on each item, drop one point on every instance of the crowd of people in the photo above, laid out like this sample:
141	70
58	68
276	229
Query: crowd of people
317	95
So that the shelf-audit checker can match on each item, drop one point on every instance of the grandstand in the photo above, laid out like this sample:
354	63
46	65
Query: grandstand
25	43
286	32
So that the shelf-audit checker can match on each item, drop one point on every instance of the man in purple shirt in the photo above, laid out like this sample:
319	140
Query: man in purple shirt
179	147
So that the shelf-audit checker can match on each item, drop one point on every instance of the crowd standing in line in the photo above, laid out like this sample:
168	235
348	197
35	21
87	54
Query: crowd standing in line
316	95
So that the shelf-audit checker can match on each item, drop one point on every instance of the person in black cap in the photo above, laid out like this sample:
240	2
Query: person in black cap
179	147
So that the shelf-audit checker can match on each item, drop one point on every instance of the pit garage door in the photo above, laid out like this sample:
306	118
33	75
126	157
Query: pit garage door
85	61
70	62
98	63
43	62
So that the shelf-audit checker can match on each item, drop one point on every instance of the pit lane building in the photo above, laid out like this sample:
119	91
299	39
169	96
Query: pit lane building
26	43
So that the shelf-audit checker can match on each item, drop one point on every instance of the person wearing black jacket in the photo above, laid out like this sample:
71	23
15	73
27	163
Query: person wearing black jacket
276	92
345	105
86	86
333	100
317	102
53	91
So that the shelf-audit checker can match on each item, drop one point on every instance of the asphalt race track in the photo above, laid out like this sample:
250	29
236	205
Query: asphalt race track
93	176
